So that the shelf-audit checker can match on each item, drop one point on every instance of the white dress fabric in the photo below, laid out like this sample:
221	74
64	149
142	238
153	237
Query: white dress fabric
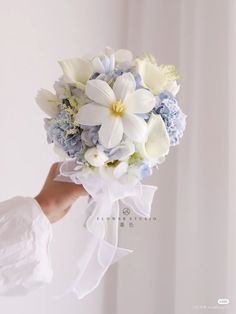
25	236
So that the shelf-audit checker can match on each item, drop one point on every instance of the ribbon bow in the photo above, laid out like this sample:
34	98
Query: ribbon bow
105	198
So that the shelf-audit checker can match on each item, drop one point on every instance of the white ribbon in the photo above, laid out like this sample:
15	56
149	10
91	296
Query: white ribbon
102	248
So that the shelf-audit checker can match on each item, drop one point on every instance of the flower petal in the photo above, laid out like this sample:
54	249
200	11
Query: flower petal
158	142
100	92
141	101
111	131
76	70
124	85
92	114
48	102
123	55
112	62
95	157
97	65
172	87
134	127
122	151
152	76
109	51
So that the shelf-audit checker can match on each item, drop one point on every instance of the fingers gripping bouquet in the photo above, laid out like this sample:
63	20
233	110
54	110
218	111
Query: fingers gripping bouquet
113	119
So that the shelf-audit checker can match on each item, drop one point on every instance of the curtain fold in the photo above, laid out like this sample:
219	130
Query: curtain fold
191	256
202	203
231	245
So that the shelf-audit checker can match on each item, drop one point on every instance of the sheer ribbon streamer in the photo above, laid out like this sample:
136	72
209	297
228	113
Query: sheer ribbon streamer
105	197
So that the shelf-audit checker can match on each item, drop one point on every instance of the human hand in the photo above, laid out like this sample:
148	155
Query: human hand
56	198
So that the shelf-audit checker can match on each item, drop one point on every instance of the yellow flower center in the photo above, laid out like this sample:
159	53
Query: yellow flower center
117	108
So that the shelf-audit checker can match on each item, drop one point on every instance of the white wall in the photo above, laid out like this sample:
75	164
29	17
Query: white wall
34	35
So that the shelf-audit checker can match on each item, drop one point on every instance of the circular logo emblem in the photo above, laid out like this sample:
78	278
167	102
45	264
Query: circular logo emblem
126	211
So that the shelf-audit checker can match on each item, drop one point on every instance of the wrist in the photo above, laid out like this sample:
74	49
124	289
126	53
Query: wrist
46	206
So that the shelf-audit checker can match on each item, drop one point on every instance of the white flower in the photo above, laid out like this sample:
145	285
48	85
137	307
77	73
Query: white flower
62	89
173	87
123	173
157	78
158	141
115	110
106	62
48	102
95	157
123	56
77	71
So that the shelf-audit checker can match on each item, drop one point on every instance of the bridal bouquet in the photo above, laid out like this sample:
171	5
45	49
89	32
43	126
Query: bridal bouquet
113	118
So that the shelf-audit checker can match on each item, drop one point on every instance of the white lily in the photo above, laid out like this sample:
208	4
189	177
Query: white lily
158	142
77	71
95	157
157	78
48	102
115	110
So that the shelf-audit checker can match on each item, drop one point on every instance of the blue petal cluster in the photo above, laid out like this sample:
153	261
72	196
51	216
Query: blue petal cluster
145	169
89	135
174	119
57	133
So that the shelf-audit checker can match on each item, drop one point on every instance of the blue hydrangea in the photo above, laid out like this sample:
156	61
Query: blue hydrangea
145	169
57	133
62	88
121	151
89	135
174	119
107	62
138	81
64	120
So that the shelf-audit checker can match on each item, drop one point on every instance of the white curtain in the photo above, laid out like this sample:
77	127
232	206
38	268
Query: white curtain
185	262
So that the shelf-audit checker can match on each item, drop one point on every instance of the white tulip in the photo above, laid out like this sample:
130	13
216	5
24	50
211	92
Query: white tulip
77	71
48	102
173	87
156	78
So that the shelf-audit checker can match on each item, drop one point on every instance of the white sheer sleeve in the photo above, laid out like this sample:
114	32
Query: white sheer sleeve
25	236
